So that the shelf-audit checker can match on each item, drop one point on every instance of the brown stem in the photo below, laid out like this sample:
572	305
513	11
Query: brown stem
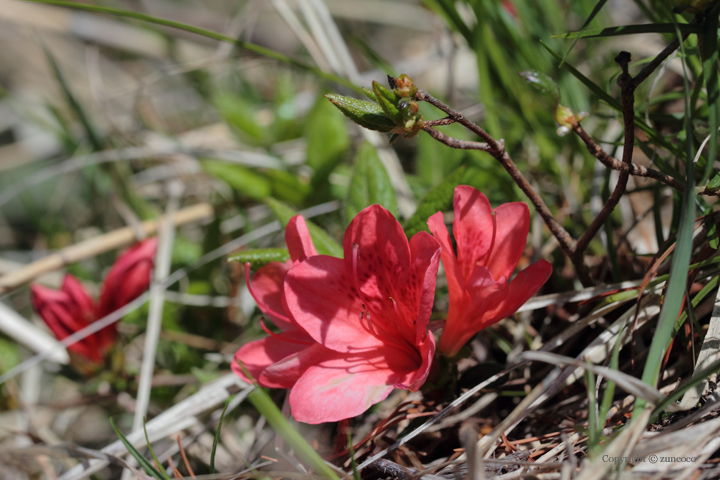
632	168
667	51
625	81
453	142
438	122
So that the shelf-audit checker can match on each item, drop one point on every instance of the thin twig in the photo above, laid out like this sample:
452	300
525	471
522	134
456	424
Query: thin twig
632	168
496	148
625	81
97	245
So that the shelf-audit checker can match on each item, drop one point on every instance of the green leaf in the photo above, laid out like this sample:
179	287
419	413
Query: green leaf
261	256
327	140
241	179
436	200
286	186
326	134
632	30
365	114
142	461
240	114
542	83
324	243
370	184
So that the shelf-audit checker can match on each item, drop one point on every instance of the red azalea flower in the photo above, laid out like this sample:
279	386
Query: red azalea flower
267	290
368	314
71	308
489	246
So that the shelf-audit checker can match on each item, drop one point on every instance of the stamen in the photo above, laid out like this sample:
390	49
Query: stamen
263	306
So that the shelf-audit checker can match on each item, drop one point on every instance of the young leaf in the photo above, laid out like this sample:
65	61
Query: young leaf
324	243
543	83
259	257
370	184
365	114
388	102
436	200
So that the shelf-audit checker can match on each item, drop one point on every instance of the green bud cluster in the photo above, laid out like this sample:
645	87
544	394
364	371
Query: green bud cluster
392	110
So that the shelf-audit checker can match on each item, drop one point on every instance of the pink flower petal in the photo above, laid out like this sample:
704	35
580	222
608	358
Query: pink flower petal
473	227
513	225
453	272
266	288
341	386
420	292
323	302
259	355
128	277
298	240
79	296
520	289
287	371
382	256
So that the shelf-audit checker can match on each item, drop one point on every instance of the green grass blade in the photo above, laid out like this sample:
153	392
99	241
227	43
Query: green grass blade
598	6
710	75
265	52
631	30
261	256
92	135
142	461
267	408
610	388
217	436
356	473
679	267
593	433
152	452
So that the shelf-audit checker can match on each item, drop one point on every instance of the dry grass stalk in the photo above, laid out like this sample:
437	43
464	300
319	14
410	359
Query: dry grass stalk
97	245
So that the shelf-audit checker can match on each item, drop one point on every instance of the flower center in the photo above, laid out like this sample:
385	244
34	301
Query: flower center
383	330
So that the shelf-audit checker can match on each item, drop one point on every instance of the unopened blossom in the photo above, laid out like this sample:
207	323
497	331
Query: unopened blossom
266	288
489	245
368	314
71	308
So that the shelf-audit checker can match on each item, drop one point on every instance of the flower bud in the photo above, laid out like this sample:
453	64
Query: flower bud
128	278
70	310
405	87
